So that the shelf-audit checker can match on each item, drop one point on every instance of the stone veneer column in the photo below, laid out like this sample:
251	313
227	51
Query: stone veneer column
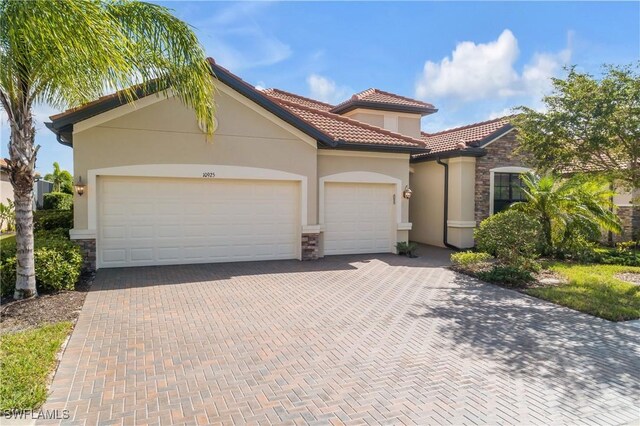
88	248
500	153
630	218
310	246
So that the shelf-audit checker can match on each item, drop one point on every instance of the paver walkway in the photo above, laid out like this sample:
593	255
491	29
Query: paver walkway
353	339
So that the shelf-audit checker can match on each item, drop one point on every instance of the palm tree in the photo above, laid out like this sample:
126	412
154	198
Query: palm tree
564	206
59	178
66	53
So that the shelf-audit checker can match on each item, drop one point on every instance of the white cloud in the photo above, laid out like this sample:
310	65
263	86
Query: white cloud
486	70
235	38
501	113
326	90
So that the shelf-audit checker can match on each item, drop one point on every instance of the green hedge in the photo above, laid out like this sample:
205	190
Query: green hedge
57	201
511	236
50	220
58	263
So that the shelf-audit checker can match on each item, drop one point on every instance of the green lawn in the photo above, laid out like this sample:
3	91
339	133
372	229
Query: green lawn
7	237
26	360
594	290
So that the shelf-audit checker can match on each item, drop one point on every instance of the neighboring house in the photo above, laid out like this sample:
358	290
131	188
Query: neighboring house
6	189
284	177
40	187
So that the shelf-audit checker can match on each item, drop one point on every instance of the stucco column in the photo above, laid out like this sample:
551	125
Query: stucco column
461	220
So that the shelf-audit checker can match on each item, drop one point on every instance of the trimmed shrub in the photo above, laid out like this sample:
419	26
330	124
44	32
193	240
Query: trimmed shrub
57	201
509	276
48	220
405	248
58	263
511	236
467	258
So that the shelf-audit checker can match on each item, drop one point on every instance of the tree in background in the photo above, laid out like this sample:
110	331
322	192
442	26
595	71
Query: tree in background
61	179
589	125
67	53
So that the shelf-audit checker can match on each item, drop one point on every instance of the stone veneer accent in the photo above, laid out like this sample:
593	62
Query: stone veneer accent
630	218
310	249
499	154
88	248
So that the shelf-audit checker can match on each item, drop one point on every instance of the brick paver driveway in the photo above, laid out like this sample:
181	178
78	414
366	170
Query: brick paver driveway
357	339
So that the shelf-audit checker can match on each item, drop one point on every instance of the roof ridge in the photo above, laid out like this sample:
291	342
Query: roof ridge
466	126
355	122
384	92
297	96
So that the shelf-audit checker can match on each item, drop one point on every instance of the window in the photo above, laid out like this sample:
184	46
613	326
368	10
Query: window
507	189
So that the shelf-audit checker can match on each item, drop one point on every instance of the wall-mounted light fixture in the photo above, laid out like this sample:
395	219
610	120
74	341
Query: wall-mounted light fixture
407	192
80	187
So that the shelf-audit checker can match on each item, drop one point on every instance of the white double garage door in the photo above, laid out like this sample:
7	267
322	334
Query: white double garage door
165	221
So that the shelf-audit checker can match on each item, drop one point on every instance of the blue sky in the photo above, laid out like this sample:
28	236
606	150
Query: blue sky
473	61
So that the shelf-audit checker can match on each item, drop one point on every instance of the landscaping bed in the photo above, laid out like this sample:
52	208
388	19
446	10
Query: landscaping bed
611	292
18	315
33	331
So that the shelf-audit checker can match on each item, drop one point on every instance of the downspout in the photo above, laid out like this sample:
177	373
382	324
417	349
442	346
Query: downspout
445	225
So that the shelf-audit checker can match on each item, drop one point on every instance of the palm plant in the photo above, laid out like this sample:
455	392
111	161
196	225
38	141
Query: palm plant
7	215
59	178
564	207
66	53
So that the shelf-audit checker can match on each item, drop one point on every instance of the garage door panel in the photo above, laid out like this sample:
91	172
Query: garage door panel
147	221
359	218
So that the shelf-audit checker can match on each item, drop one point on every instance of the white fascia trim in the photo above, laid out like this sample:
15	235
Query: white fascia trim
191	171
625	205
405	226
82	234
498	137
364	154
461	223
506	169
360	177
96	120
266	114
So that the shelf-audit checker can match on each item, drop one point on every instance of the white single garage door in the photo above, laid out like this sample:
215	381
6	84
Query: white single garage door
358	218
164	221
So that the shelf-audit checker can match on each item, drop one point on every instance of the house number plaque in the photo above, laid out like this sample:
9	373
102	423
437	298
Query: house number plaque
208	174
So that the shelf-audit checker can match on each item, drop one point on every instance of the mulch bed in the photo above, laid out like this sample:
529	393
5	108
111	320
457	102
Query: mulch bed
18	315
629	277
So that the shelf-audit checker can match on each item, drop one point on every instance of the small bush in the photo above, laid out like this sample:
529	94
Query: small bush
7	248
57	201
511	236
58	263
48	220
406	248
508	276
466	258
580	249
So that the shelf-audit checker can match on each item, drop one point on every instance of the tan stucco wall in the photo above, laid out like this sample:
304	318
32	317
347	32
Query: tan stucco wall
6	190
403	123
369	118
167	133
461	220
394	165
427	203
409	126
625	197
